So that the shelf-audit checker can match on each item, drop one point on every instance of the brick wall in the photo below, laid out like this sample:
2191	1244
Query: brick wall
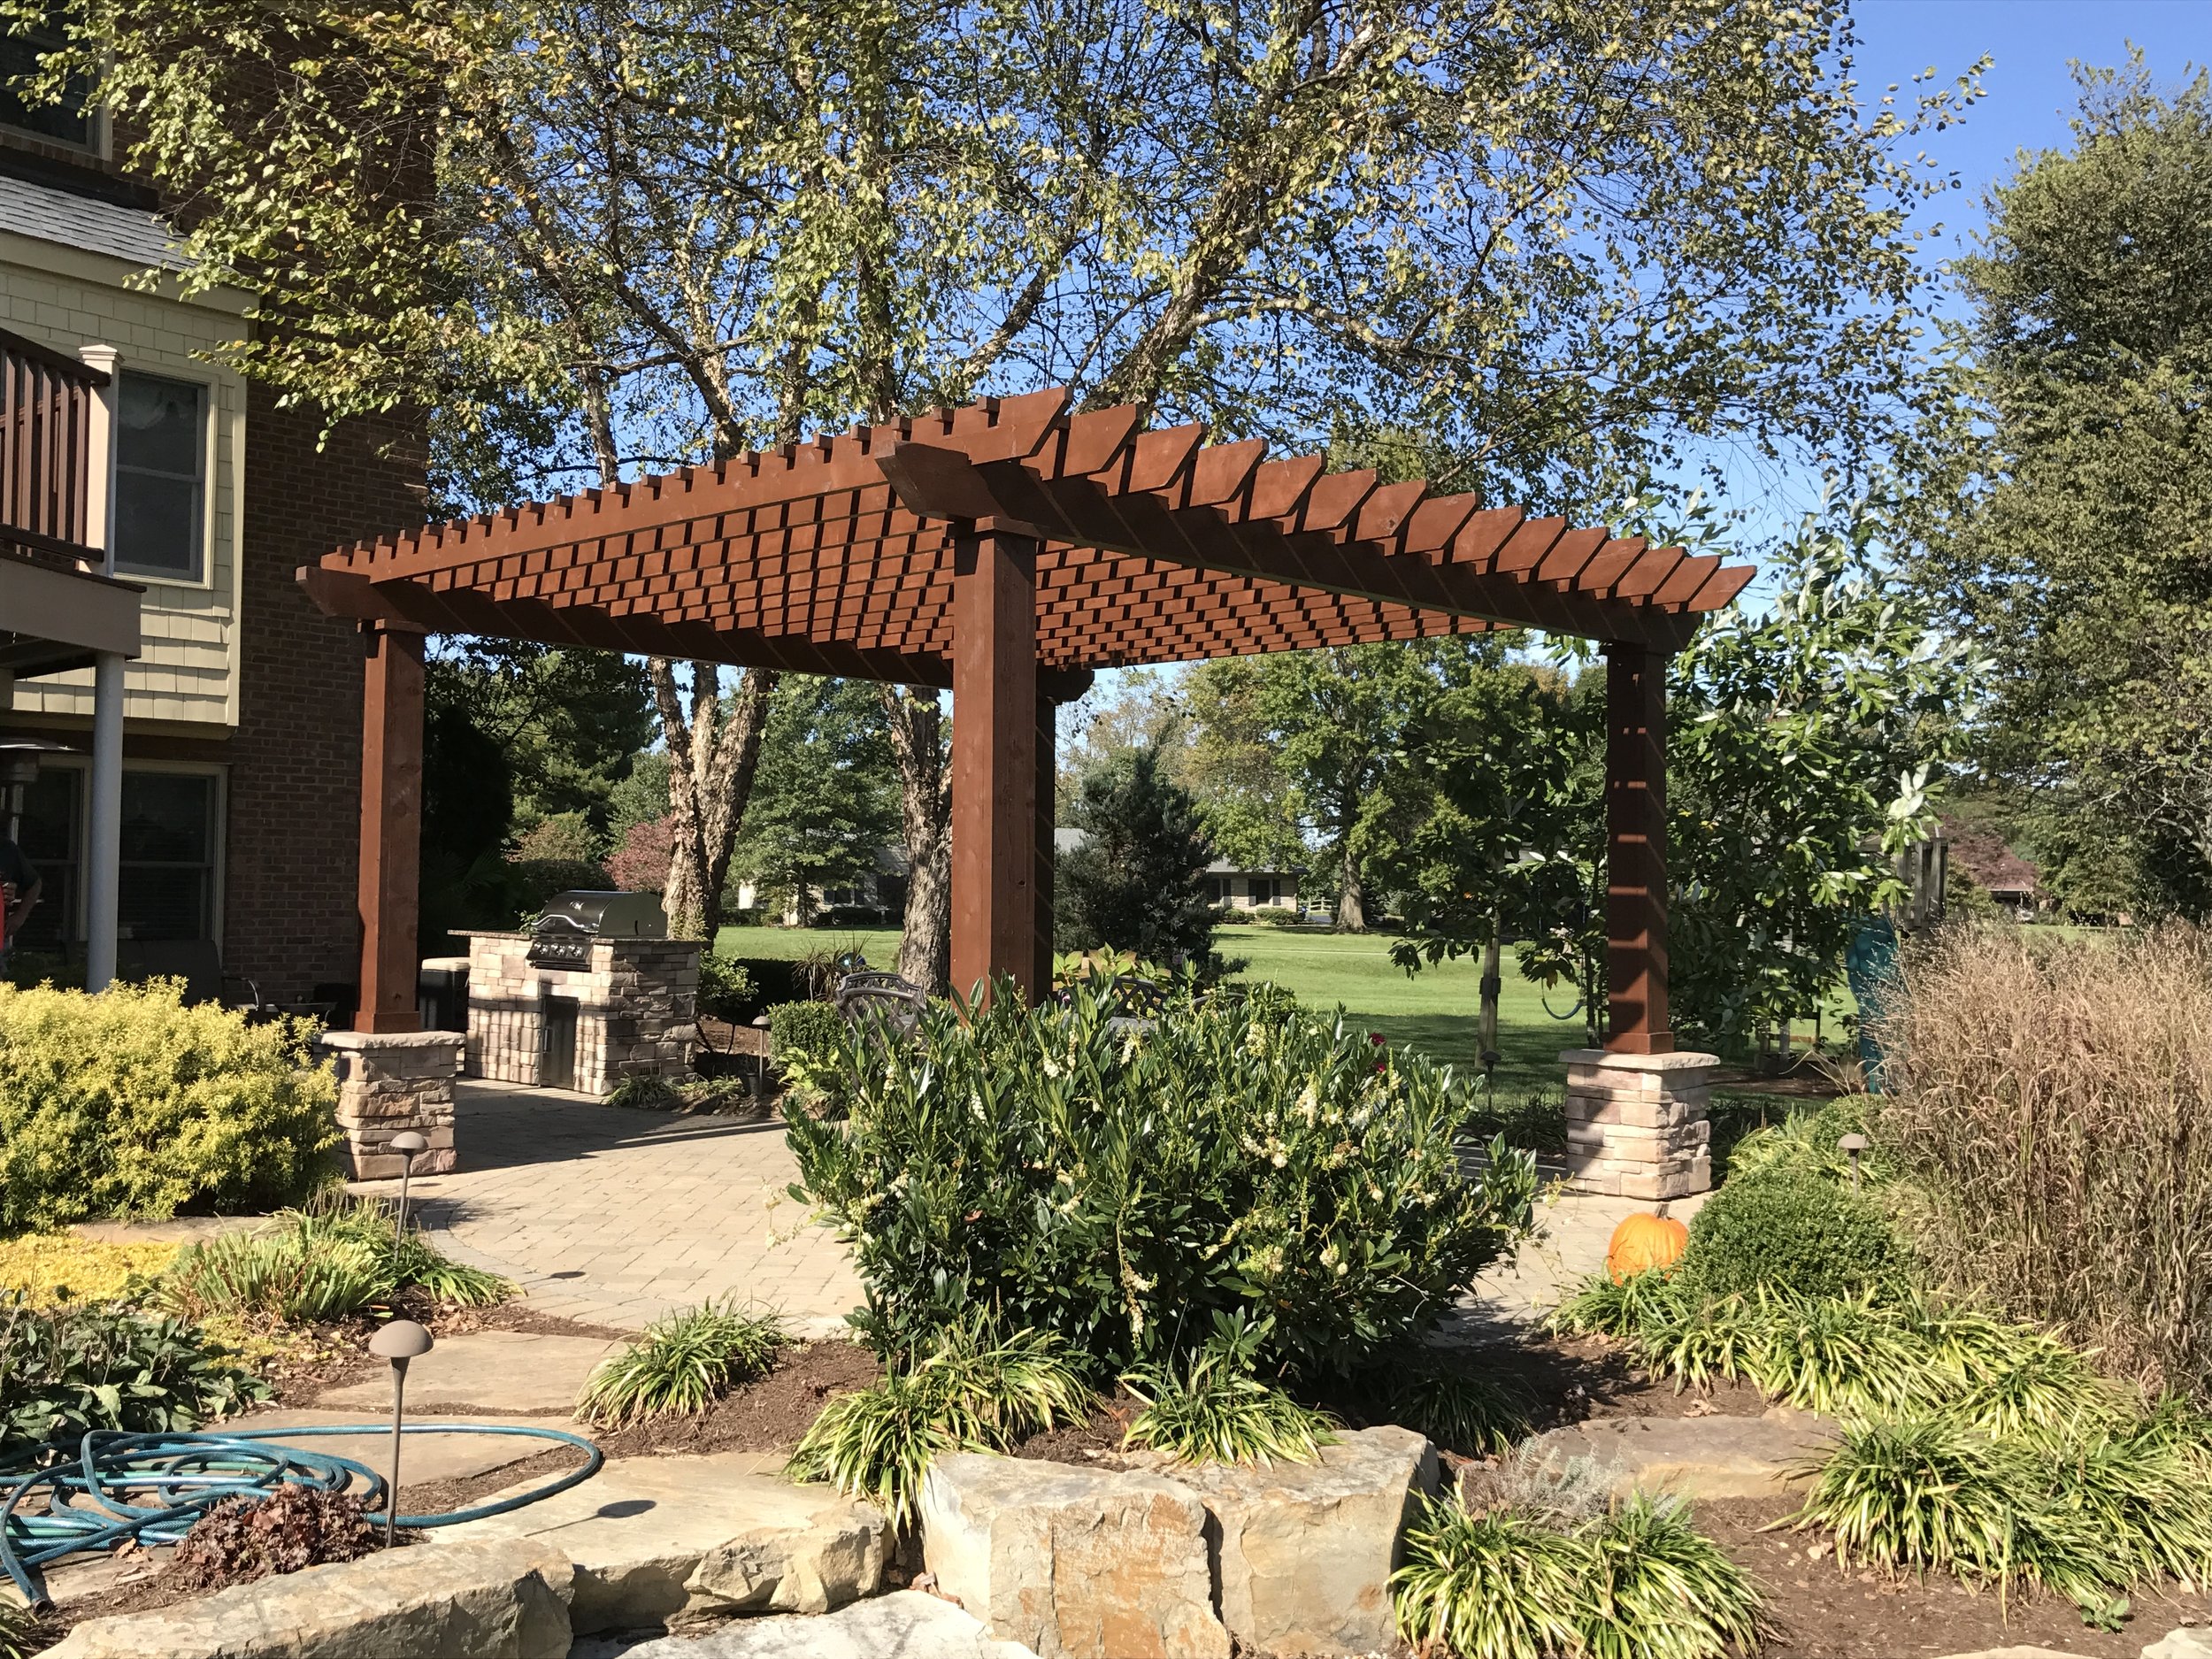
295	758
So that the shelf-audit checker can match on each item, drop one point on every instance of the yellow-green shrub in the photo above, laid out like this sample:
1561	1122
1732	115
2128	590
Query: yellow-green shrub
130	1103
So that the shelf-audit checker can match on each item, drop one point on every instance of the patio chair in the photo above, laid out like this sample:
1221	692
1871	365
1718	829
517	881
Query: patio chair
884	1002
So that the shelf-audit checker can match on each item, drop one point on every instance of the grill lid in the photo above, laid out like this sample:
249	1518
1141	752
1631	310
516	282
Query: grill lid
604	915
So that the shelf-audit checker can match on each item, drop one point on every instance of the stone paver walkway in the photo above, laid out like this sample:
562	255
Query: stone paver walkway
614	1217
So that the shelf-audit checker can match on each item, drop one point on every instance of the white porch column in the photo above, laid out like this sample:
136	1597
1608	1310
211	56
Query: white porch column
104	809
103	860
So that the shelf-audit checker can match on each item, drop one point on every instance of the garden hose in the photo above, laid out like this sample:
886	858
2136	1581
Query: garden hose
152	1487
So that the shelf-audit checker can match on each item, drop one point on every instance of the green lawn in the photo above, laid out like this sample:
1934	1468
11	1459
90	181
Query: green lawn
1433	1011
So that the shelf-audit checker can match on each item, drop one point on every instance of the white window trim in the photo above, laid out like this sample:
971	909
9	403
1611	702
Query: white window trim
205	580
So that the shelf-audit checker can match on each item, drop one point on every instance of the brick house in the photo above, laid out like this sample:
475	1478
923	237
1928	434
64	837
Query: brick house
240	728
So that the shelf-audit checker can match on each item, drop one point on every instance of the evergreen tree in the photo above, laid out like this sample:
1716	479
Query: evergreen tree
1137	882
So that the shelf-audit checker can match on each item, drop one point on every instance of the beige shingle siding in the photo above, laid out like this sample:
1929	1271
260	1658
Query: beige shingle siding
60	298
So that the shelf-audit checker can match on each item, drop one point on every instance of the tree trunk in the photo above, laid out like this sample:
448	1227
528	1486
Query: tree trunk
711	759
1351	901
1493	988
925	821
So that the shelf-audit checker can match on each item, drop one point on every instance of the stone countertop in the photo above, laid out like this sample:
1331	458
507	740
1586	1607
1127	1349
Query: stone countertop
612	939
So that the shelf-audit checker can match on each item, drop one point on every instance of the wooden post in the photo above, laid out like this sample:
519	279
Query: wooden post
391	828
1636	850
995	765
1047	854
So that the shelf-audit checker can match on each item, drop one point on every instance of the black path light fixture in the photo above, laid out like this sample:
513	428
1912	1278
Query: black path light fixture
408	1144
400	1342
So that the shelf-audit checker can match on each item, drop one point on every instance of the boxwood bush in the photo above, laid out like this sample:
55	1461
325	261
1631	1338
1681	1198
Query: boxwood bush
1115	1185
130	1103
1782	1223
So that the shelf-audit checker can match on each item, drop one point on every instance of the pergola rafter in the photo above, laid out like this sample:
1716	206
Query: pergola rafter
1007	550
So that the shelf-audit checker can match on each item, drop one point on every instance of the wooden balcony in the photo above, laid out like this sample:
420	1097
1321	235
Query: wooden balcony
46	437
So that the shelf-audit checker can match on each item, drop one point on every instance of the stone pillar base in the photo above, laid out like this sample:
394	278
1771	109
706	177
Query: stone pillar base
1636	1124
390	1081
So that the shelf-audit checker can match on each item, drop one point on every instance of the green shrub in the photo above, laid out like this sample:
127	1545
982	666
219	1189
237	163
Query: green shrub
683	1362
2086	1512
1510	1583
1212	1409
650	1094
66	1369
1805	1142
1118	1187
130	1103
1472	1416
1789	1228
322	1262
806	1040
1277	915
972	1391
726	990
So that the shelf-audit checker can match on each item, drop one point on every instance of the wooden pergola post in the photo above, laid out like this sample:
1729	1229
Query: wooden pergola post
1046	853
1636	843
995	761
391	828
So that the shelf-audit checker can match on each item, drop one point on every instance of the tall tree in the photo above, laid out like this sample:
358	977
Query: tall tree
1138	880
823	804
2072	493
1565	238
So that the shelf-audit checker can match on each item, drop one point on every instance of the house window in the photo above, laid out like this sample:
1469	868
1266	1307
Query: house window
160	477
167	888
1265	890
68	122
51	839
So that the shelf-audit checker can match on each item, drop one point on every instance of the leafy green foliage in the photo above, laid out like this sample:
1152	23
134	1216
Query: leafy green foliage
1784	1225
24	1631
683	1362
1119	1187
320	1263
72	1367
1513	1583
971	1390
2068	486
1212	1409
1465	1413
1138	881
726	989
131	1105
2086	1511
826	795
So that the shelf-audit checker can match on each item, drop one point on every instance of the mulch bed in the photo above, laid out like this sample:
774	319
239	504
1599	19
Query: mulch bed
1820	1612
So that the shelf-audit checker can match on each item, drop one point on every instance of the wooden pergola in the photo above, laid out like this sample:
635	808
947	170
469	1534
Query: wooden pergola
1008	550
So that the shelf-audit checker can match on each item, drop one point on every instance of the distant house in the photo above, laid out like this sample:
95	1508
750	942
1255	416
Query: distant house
1982	857
1232	886
878	897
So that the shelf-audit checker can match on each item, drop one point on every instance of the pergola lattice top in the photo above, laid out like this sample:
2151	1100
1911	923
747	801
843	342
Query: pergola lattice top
837	555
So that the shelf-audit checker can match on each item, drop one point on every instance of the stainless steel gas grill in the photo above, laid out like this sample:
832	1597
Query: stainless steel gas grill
561	937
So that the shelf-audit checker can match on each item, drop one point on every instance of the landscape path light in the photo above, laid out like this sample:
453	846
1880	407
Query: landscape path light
399	1341
407	1143
1852	1146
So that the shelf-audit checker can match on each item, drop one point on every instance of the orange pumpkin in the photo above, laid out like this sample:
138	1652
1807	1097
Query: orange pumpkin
1642	1243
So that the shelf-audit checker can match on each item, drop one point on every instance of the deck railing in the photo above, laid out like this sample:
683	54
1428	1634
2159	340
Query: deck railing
46	409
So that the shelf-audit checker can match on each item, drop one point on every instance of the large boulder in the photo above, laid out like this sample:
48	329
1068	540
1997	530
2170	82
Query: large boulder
1305	1551
506	1598
2190	1641
660	1538
904	1624
1695	1457
1073	1563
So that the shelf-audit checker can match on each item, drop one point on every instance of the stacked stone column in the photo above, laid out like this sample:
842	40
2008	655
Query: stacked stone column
1636	1123
389	1082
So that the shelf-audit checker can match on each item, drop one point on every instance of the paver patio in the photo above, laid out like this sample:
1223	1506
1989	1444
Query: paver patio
614	1217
